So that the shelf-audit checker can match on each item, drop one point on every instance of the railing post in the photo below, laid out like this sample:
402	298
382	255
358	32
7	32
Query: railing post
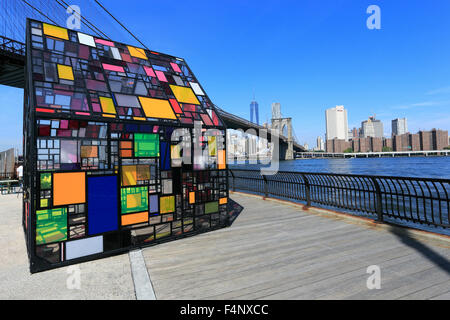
379	201
307	190
234	180
266	187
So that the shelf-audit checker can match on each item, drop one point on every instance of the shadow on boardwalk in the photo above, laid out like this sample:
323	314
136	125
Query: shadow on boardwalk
404	236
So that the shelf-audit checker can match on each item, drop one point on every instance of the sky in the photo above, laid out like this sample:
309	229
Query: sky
308	55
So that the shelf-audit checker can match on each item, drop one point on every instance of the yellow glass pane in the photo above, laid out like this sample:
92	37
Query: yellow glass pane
175	152
137	52
107	105
212	146
157	108
44	203
184	94
133	200
65	72
129	176
56	32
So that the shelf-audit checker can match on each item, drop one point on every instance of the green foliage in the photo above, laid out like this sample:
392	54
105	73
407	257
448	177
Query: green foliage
348	150
387	149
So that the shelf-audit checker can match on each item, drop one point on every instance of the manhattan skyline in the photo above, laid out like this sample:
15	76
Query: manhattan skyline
309	58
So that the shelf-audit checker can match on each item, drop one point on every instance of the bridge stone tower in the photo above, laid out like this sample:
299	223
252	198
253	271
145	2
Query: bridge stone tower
284	127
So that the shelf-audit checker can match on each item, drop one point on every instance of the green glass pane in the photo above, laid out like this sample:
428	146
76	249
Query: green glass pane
134	199
46	181
146	145
51	225
211	207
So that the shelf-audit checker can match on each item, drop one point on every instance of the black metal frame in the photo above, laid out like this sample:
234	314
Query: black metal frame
121	240
423	201
13	47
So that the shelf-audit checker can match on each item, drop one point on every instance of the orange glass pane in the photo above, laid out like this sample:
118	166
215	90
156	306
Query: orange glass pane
126	153
89	151
69	188
126	144
134	218
222	162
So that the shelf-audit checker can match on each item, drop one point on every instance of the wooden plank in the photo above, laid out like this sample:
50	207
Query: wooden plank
278	251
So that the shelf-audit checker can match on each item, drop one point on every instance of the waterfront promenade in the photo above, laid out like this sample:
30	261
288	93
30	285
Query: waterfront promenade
274	250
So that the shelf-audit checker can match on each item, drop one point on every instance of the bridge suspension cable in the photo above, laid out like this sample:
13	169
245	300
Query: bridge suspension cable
84	20
121	24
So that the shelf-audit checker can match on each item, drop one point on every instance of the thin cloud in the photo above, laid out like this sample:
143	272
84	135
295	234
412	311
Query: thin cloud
422	104
439	91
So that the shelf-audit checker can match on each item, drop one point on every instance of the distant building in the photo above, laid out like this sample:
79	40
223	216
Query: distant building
440	139
354	133
306	146
399	126
336	123
320	144
426	140
372	128
254	112
276	111
338	145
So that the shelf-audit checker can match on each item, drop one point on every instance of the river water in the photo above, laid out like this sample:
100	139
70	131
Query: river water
423	167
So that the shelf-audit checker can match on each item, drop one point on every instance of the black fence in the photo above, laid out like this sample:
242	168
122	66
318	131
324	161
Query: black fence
417	200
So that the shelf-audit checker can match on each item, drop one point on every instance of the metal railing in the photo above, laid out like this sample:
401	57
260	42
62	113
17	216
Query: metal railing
416	200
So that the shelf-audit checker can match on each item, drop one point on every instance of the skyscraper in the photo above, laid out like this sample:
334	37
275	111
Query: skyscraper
399	126
320	144
372	128
276	110
254	112
337	123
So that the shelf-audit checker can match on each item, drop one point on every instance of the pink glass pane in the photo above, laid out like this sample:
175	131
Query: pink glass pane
161	76
175	67
149	71
111	67
96	107
104	42
206	120
64	124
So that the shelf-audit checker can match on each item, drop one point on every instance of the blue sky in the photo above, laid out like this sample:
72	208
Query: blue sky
307	55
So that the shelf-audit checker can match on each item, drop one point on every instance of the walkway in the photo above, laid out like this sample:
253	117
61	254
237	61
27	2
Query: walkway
272	251
277	251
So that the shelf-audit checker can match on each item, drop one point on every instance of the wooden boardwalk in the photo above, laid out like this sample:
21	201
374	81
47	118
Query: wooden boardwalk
278	251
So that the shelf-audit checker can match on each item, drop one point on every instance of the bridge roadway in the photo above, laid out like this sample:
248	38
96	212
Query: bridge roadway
274	250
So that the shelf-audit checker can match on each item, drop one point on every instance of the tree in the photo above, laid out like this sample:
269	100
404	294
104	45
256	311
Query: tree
348	150
387	149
